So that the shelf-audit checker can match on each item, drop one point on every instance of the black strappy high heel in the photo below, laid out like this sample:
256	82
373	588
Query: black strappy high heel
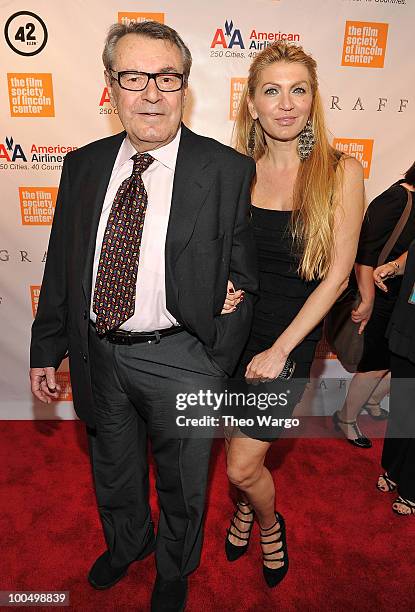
234	552
274	576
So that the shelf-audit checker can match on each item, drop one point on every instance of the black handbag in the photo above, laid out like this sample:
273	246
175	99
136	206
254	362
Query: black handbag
341	333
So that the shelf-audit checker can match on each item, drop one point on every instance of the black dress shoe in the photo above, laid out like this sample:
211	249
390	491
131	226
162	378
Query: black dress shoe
169	595
360	440
103	576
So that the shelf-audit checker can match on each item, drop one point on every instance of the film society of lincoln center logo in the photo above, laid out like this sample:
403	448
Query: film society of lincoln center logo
31	95
364	44
237	87
37	205
62	378
26	33
323	350
125	18
360	148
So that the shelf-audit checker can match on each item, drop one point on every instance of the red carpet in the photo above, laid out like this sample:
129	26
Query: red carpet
348	550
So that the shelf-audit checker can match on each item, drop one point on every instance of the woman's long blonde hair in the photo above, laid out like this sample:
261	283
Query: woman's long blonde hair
314	197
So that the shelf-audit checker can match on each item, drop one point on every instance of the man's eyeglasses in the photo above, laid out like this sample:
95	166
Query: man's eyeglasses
137	81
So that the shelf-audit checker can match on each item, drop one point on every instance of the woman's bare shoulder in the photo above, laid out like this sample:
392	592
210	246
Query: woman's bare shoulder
351	167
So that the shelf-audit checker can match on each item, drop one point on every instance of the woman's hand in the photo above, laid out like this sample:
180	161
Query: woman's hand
265	366
388	270
233	298
362	314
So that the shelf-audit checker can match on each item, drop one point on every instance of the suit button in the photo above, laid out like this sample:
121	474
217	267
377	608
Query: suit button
85	314
85	357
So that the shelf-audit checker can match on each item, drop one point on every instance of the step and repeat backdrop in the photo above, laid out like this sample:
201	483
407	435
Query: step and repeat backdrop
53	99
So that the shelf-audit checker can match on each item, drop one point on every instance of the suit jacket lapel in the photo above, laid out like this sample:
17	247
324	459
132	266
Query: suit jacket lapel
96	185
192	181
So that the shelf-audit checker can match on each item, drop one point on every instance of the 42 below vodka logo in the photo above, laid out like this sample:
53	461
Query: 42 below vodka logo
227	42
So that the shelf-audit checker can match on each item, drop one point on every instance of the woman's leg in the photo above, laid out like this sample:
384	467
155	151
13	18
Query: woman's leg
230	432
361	388
381	391
247	472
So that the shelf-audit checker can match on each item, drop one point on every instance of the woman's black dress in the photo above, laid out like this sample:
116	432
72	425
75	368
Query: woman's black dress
380	220
282	294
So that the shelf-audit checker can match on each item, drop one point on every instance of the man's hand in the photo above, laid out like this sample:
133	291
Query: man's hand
233	298
43	384
362	315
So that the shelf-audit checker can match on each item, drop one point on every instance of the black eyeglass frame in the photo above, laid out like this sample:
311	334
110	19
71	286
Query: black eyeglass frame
149	75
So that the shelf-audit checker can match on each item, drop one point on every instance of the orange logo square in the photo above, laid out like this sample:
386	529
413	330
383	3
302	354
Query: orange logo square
364	44
237	87
37	205
34	295
359	148
63	379
323	350
31	95
127	18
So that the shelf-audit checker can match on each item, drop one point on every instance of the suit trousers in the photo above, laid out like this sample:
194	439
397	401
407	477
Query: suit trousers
398	456
134	389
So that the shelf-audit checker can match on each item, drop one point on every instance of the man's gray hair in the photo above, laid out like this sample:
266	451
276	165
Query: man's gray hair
150	29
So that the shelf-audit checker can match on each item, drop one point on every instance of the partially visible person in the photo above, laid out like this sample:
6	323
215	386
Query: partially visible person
372	381
307	210
398	457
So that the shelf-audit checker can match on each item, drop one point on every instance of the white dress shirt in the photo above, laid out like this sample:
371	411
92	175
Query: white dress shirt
150	303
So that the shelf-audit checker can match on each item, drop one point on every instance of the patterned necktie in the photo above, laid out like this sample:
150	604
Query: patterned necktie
115	285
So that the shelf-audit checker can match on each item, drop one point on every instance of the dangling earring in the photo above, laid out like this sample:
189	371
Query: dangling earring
306	141
251	140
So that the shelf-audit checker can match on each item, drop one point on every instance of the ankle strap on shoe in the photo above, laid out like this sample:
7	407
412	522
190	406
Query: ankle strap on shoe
247	531
345	422
242	512
268	528
274	553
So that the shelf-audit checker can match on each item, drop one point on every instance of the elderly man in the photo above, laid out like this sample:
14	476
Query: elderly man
149	226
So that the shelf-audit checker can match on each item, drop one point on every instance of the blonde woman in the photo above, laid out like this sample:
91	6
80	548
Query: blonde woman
307	209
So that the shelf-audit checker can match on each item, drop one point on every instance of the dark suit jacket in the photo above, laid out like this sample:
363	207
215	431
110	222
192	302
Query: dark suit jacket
208	240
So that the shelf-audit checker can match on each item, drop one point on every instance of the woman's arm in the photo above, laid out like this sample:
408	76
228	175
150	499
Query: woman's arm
364	277
389	270
348	220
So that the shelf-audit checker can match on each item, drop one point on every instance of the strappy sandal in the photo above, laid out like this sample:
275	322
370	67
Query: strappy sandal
273	576
404	502
381	416
385	484
234	552
360	440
